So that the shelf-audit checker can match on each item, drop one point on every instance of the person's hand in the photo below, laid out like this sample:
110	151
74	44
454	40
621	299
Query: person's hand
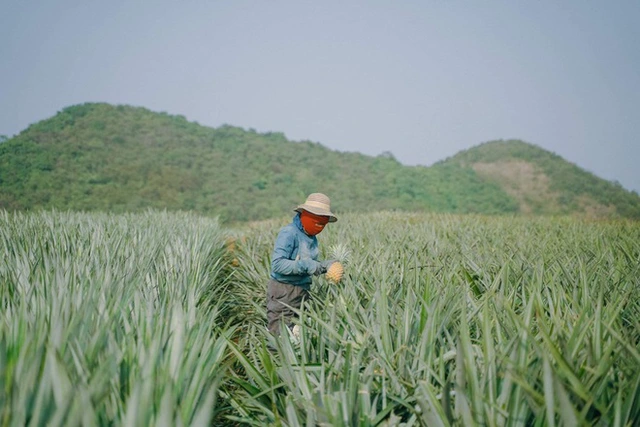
326	264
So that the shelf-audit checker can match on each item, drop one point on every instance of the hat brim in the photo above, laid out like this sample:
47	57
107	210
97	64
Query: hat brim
317	211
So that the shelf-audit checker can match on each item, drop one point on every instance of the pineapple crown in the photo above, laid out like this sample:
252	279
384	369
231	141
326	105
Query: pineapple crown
340	252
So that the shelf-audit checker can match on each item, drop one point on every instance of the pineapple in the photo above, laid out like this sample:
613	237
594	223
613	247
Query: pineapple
335	272
341	254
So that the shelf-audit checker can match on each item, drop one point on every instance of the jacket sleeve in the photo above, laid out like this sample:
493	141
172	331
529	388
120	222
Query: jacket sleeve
281	262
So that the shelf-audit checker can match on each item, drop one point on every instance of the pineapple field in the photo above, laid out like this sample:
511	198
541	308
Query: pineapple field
159	319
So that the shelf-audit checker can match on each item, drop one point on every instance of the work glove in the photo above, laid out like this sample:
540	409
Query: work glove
326	264
310	266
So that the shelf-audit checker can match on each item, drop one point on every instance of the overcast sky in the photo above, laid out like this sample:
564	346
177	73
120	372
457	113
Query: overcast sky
421	79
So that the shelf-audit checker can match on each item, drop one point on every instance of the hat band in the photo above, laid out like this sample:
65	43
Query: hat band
318	205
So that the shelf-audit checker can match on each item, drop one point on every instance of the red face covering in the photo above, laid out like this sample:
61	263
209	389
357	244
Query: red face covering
313	224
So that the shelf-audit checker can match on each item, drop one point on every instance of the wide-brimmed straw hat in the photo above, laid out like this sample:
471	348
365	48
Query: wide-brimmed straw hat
318	204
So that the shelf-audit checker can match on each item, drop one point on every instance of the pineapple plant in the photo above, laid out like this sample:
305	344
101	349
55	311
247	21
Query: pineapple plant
341	254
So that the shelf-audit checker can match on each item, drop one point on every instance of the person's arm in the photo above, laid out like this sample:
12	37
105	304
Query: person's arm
281	264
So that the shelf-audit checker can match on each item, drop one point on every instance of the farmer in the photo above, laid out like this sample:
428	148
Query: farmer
295	259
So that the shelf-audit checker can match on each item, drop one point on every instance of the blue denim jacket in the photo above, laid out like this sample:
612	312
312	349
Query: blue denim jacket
292	246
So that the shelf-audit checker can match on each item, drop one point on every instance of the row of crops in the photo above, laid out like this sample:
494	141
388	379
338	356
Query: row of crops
159	319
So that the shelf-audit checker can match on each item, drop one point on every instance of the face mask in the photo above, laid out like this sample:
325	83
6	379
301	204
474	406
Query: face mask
313	224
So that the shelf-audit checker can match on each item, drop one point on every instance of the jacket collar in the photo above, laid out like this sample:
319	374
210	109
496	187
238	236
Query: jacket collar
297	222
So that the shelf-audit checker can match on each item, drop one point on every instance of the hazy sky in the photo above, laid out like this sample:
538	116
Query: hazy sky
422	79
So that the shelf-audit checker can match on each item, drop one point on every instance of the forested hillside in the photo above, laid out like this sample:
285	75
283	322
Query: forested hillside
545	183
121	158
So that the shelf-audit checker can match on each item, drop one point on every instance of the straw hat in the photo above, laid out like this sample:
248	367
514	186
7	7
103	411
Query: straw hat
318	204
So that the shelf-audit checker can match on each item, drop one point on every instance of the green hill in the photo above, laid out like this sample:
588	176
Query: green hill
544	183
122	158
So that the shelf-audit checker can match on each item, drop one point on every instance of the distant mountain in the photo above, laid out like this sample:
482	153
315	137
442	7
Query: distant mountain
122	158
544	183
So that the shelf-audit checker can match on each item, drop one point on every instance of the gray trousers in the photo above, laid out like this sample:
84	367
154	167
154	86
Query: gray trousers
280	297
